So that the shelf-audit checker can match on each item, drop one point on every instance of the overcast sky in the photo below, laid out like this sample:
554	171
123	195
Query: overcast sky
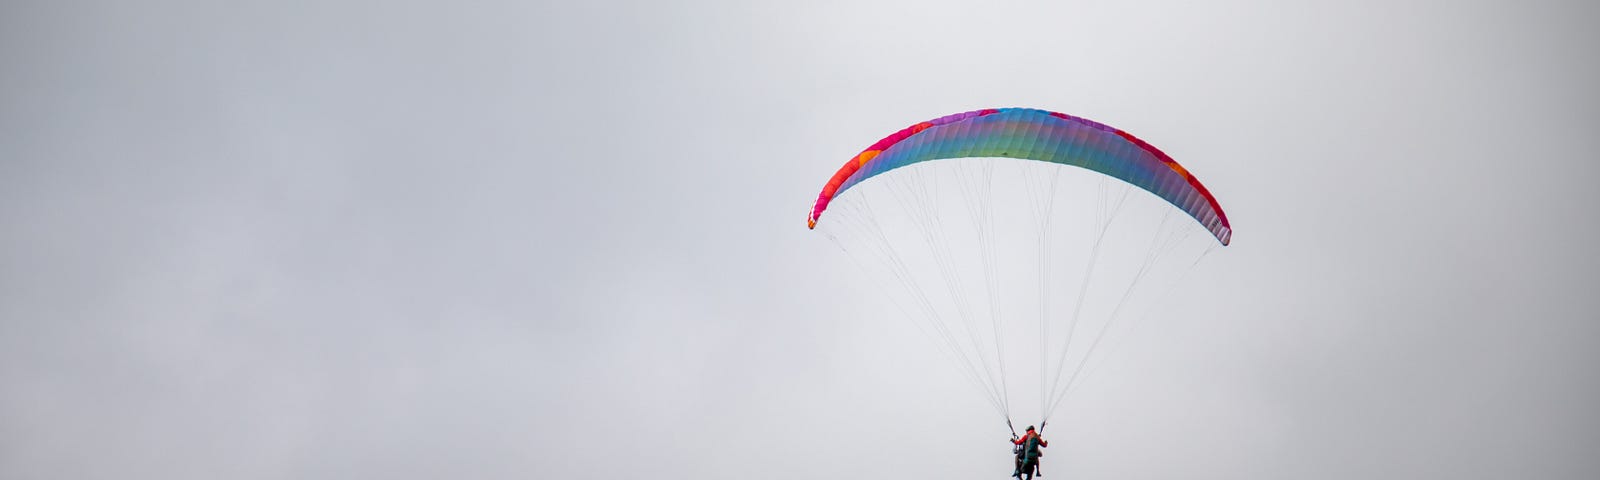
335	240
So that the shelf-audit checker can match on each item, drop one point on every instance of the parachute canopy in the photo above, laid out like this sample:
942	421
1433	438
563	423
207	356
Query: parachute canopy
1032	134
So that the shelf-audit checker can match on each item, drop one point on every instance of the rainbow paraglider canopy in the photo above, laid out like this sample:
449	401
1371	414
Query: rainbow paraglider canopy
1040	135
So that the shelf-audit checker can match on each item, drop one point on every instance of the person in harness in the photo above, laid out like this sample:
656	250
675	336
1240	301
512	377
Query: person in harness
1027	450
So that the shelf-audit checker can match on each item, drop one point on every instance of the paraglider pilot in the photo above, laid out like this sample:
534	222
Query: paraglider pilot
1027	450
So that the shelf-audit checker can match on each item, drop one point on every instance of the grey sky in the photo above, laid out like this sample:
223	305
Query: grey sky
403	240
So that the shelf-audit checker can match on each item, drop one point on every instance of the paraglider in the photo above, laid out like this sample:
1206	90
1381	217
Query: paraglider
1027	451
887	236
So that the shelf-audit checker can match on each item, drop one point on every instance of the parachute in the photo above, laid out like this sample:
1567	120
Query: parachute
971	260
1032	134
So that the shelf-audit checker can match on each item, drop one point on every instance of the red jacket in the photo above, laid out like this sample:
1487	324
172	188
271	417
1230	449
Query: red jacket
1024	439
